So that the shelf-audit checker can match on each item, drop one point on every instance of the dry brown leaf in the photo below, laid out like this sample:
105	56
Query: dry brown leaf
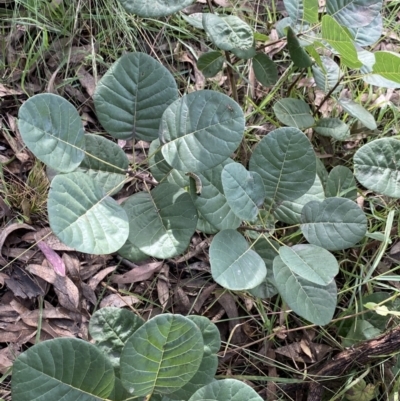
87	81
182	303
163	286
23	286
138	273
95	280
202	298
118	301
7	357
4	91
66	290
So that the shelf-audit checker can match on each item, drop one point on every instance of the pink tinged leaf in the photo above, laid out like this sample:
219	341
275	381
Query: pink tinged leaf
53	258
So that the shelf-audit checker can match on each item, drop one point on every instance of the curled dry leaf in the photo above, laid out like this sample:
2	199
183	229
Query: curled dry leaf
6	232
138	273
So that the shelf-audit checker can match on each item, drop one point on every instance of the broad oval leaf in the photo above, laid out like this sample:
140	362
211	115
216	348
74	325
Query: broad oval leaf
377	166
132	252
333	127
132	96
354	13
369	34
265	70
286	162
52	129
311	301
234	265
334	224
295	9
161	221
245	54
162	356
244	190
210	64
201	130
359	112
339	39
298	55
83	217
294	113
290	211
154	8
228	32
310	262
59	370
105	163
111	327
212	203
226	390
327	78
341	183
387	65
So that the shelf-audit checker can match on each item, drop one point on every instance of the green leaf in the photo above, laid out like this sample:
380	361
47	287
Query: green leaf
354	13
161	221
132	252
359	112
154	8
328	77
304	260
110	328
119	393
132	96
333	127
226	390
290	211
209	363
311	11
294	113
228	32
234	265
334	224
298	55
265	70
311	301
83	217
201	130
162	356
204	226
244	190
295	9
105	163
58	370
341	183
377	166
285	160
210	64
340	40
52	129
387	65
267	249
369	34
245	54
212	203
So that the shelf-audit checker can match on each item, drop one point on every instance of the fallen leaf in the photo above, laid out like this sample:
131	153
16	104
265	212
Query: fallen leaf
138	274
53	258
5	233
118	301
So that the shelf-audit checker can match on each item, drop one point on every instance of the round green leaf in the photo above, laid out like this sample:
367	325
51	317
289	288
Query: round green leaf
333	127
286	162
290	211
105	163
377	166
265	70
341	183
387	65
267	249
226	390
228	32
294	113
298	55
162	221
132	96
311	301
201	130
305	261
210	332
328	77
110	328
83	217
334	224
52	129
58	370
212	203
245	54
244	190
359	112
369	34
204	226
132	252
354	13
234	265
154	8
162	356
210	64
